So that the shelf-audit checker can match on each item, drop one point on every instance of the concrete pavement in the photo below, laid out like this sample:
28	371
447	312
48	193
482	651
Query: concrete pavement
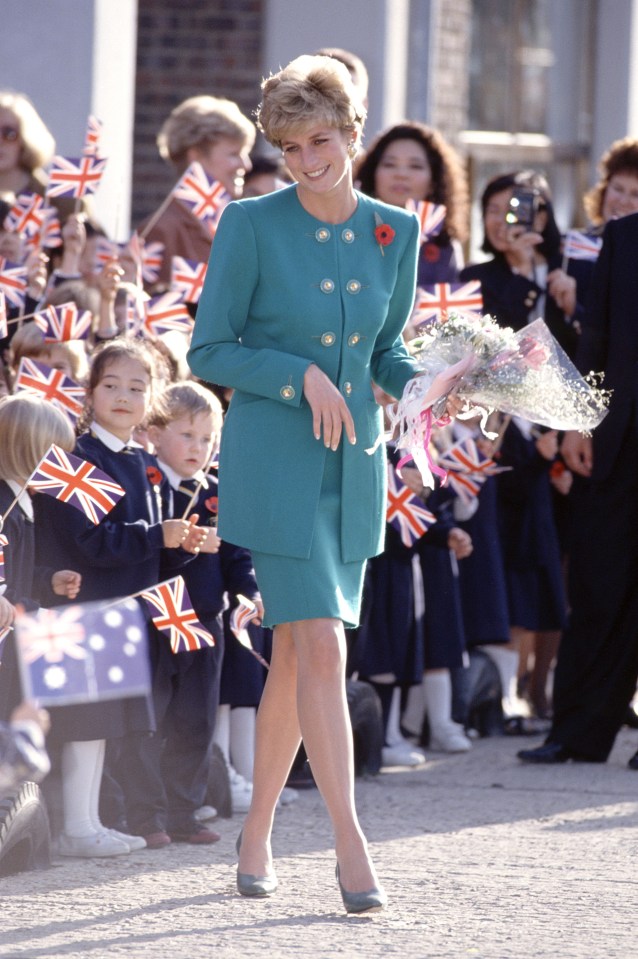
482	857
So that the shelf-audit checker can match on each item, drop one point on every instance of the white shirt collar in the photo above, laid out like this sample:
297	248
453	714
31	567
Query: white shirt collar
176	480
111	441
24	500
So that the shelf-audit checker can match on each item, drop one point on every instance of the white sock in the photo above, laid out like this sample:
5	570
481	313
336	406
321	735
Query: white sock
82	764
242	740
221	735
393	736
438	701
506	661
414	712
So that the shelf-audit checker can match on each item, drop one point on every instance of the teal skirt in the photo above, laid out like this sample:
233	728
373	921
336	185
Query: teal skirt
321	586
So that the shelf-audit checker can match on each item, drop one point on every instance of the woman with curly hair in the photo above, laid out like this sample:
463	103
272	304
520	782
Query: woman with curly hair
411	161
616	192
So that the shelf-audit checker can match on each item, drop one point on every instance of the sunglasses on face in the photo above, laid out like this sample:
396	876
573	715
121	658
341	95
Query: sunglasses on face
9	134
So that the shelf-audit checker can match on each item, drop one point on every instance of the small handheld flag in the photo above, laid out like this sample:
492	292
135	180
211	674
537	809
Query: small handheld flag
53	386
173	614
405	511
72	480
83	653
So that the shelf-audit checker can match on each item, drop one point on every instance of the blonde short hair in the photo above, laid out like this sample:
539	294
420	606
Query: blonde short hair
28	427
38	144
187	399
309	89
200	121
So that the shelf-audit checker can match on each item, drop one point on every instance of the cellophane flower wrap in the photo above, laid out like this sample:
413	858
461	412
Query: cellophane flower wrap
524	373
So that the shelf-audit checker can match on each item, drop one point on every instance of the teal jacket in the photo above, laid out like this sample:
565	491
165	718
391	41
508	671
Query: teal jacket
284	290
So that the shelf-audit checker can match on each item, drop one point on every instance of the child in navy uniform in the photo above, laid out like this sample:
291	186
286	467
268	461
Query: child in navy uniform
28	427
117	557
184	431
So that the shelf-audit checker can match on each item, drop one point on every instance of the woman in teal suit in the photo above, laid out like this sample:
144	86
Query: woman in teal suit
307	292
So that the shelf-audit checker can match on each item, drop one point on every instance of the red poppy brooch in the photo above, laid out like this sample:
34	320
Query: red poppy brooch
383	234
154	475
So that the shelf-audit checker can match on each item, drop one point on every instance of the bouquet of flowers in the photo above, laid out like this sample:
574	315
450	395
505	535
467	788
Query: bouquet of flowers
524	373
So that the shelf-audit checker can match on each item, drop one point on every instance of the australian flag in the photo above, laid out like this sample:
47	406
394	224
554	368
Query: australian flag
83	653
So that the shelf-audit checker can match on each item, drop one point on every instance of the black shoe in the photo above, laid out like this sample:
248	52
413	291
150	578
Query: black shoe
633	762
547	753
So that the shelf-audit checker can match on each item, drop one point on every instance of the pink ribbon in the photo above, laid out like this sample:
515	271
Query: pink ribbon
426	416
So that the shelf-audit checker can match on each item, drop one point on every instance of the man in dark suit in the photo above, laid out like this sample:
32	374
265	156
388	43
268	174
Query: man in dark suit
597	667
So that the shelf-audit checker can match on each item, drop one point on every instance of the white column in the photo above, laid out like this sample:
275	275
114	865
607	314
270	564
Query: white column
616	71
81	61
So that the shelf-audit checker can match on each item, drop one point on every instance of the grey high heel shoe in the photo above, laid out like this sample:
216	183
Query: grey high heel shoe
373	900
249	885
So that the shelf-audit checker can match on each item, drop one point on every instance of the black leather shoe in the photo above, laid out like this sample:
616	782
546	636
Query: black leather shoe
547	753
633	762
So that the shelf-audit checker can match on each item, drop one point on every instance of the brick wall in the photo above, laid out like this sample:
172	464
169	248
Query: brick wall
186	48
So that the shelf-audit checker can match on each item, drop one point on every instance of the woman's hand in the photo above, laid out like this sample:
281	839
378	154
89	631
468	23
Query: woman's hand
330	413
577	452
547	445
520	250
562	288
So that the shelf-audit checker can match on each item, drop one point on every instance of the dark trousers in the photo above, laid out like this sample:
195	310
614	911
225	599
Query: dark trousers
597	667
164	777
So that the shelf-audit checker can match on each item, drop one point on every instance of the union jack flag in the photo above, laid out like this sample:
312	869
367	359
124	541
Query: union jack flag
240	618
188	277
13	282
73	480
4	327
405	511
75	176
175	617
580	246
242	614
51	385
83	653
50	233
152	256
433	303
3	542
26	215
468	468
167	312
204	196
431	217
64	322
93	135
105	250
135	310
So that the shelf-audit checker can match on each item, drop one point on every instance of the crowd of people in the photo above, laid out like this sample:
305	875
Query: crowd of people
297	352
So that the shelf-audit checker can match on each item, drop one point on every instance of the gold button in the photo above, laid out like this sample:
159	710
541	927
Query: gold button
347	236
528	301
287	392
322	234
353	339
327	339
327	286
353	286
533	294
347	388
